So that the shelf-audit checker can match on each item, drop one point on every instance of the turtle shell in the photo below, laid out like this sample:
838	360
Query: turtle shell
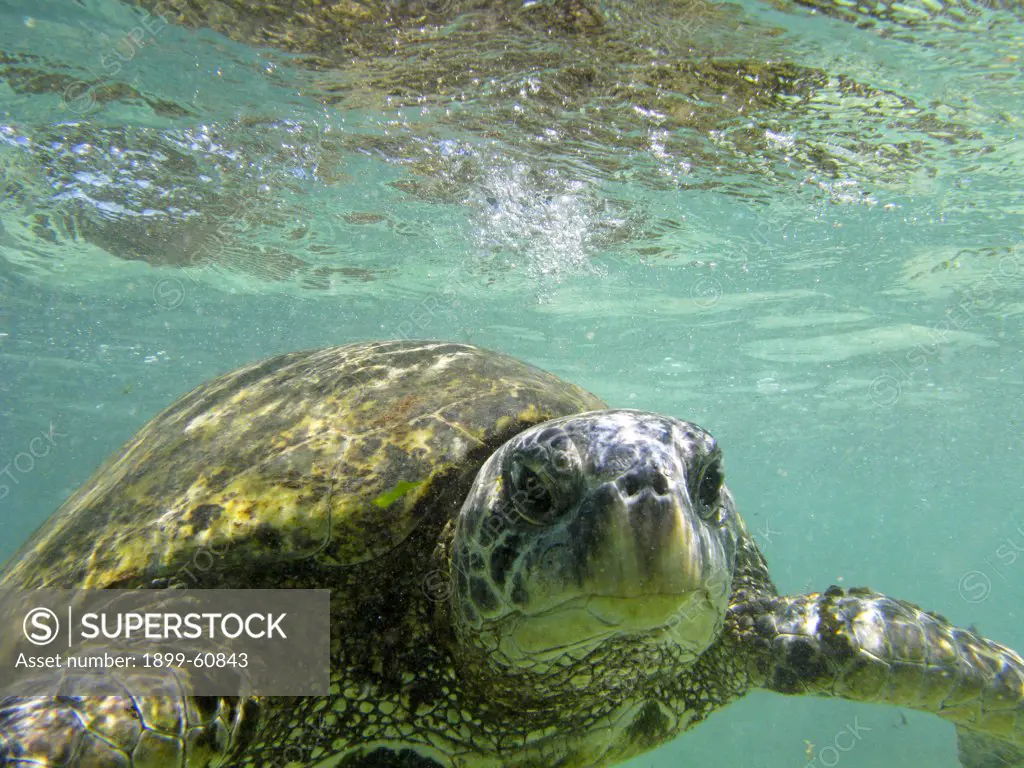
333	455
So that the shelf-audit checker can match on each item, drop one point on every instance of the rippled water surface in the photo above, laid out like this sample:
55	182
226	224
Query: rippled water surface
797	224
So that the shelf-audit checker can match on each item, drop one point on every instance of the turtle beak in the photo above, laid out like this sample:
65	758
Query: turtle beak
634	559
639	537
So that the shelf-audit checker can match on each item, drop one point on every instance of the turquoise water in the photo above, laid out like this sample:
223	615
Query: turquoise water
798	227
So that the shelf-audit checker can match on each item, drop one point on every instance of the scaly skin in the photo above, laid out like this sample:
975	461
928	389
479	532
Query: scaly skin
860	645
114	732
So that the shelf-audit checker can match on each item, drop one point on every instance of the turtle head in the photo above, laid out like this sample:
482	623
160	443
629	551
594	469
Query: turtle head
601	531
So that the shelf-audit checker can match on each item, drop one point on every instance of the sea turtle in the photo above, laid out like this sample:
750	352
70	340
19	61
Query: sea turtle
520	577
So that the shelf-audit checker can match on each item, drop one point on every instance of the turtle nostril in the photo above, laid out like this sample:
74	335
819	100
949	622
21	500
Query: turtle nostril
631	485
637	482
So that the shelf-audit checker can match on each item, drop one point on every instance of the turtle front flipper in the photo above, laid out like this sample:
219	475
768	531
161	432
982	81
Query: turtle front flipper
118	732
858	644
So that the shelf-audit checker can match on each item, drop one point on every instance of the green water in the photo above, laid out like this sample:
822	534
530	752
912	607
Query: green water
798	227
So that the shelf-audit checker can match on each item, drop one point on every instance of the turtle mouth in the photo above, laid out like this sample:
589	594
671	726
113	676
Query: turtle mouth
686	619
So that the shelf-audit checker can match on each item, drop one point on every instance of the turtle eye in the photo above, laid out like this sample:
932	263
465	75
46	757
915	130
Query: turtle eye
531	495
708	487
